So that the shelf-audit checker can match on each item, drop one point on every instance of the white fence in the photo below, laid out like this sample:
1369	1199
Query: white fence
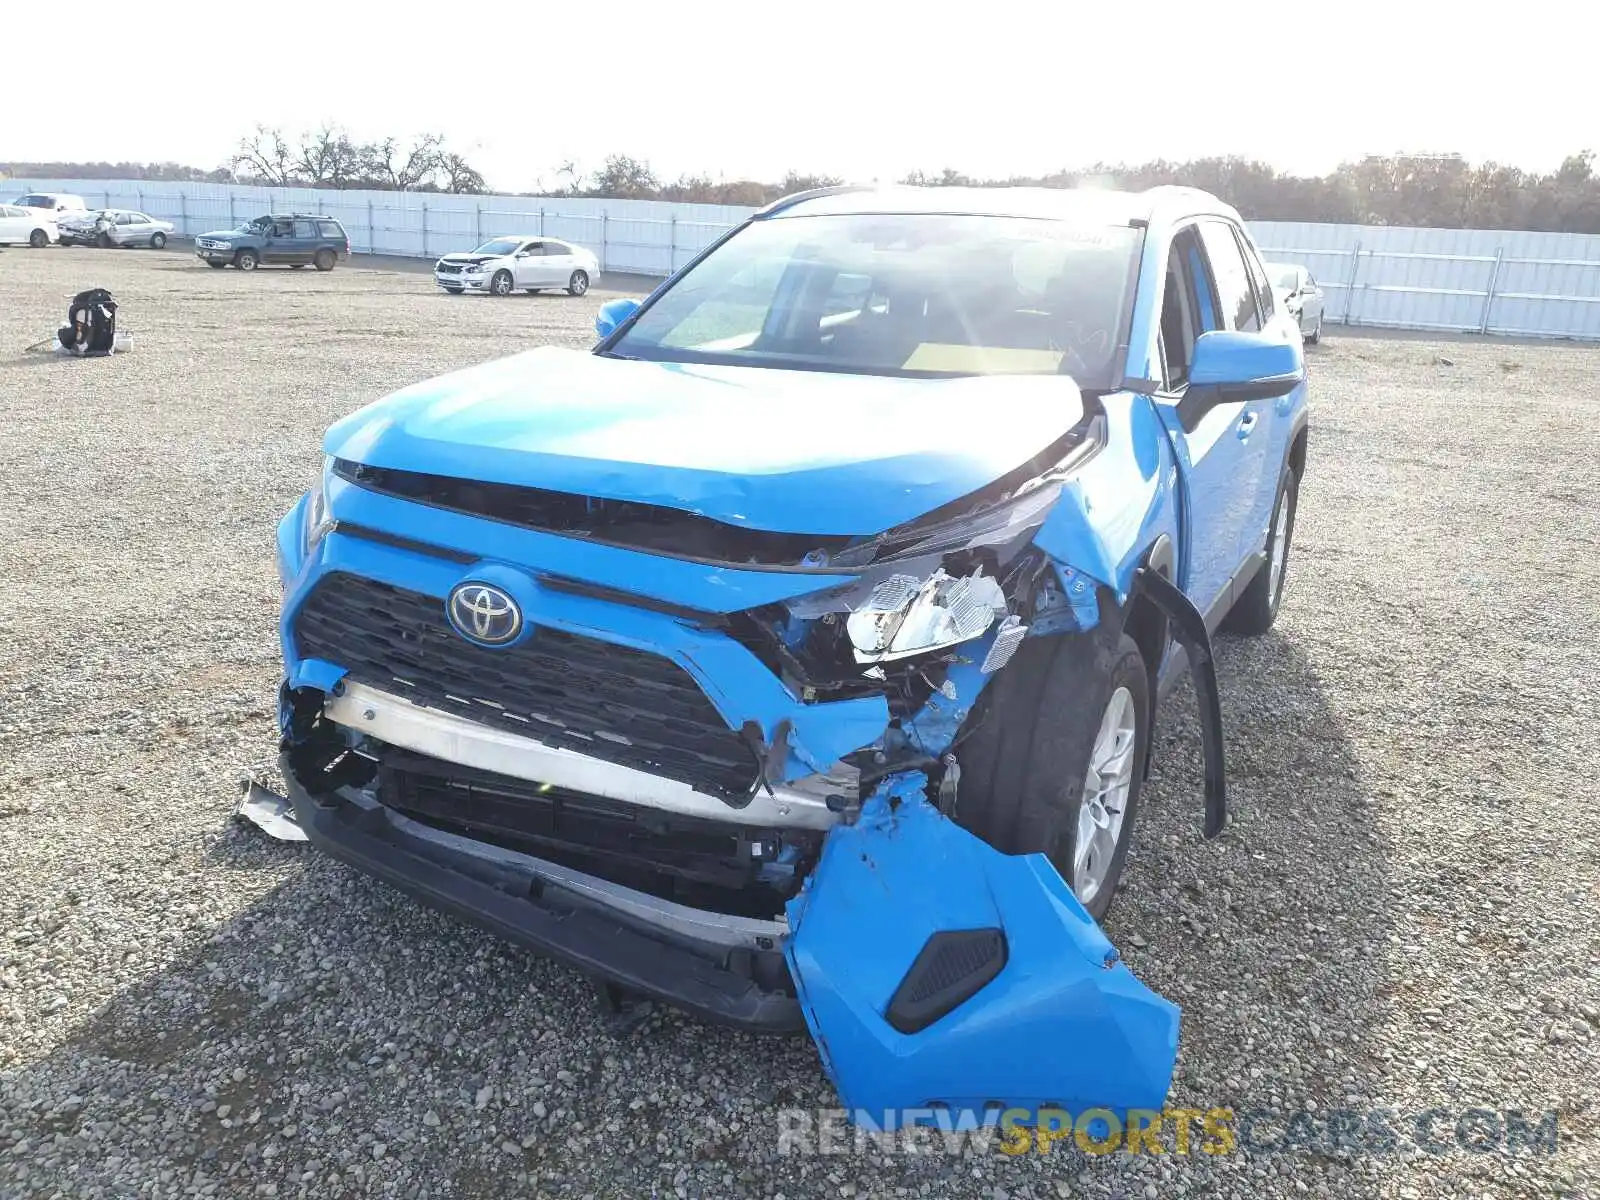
1464	280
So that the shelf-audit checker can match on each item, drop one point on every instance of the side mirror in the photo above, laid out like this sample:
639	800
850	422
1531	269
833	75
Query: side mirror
1230	367
612	314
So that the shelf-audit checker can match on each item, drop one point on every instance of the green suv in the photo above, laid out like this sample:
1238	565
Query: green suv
294	240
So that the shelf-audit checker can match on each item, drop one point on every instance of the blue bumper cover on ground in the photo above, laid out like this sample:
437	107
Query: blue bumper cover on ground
1059	1024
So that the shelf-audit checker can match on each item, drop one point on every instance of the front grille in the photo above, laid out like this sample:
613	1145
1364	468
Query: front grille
445	268
661	853
610	702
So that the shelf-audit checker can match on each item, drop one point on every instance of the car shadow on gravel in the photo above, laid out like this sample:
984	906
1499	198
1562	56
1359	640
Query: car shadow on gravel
335	1033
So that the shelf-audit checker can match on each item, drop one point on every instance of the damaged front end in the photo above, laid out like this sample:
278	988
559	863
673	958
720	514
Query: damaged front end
722	777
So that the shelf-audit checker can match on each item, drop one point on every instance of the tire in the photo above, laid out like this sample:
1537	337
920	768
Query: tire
246	260
1316	333
158	241
103	241
324	259
1254	612
1026	765
215	266
578	284
38	239
500	284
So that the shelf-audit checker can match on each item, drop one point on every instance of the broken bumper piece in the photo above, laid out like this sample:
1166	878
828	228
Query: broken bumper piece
728	970
936	973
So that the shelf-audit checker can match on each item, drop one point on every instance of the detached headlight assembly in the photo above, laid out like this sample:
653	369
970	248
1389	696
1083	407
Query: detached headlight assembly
318	523
909	603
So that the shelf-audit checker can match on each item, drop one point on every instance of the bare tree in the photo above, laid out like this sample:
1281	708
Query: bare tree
625	178
264	155
326	157
460	175
403	167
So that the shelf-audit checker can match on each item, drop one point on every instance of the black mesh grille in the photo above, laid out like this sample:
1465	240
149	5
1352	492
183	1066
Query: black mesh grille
608	701
445	268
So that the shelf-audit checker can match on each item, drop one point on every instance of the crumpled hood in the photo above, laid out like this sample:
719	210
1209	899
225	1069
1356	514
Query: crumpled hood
786	451
222	235
468	257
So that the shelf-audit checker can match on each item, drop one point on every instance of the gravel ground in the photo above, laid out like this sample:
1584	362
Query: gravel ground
1403	916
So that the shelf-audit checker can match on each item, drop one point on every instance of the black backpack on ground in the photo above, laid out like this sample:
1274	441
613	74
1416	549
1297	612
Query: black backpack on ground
91	326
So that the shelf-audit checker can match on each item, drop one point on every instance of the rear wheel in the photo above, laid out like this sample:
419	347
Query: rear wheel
158	241
246	260
324	259
38	239
579	283
500	285
1257	608
1054	764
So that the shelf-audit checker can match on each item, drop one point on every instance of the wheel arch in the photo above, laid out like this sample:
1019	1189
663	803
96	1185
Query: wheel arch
1145	623
1297	450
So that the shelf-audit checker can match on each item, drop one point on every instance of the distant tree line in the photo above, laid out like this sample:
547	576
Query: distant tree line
1442	191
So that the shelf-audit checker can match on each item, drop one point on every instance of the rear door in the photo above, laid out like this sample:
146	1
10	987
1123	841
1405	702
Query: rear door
15	224
306	240
1210	443
559	262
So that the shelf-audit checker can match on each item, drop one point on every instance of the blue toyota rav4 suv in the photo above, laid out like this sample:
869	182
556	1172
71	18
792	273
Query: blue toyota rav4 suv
792	655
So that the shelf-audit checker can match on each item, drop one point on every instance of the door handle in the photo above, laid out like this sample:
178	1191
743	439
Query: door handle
1246	424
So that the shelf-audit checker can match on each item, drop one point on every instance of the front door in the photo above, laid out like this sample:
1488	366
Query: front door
1210	443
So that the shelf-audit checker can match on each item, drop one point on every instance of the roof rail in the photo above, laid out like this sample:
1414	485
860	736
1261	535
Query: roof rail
794	198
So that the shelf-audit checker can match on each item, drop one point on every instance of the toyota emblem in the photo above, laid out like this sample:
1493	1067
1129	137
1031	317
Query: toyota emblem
484	614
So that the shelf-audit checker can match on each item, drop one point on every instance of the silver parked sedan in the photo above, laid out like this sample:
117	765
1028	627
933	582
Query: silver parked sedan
1298	292
115	227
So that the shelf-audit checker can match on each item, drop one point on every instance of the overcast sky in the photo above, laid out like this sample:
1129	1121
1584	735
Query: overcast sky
865	88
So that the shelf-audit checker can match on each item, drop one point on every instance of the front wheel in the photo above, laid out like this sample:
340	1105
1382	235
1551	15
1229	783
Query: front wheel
1316	332
324	259
501	284
38	239
1055	762
158	241
1257	608
246	260
103	241
578	284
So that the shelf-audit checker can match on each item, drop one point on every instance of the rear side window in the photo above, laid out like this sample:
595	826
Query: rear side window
1258	277
330	229
305	229
1235	292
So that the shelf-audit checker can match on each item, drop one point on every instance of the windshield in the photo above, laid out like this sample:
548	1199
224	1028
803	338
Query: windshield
499	246
34	202
1286	278
903	294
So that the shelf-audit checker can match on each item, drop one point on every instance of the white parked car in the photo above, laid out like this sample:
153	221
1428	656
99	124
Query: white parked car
55	204
116	227
23	226
1298	292
502	265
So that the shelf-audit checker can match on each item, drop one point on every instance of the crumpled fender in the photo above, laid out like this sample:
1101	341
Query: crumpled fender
1114	506
899	919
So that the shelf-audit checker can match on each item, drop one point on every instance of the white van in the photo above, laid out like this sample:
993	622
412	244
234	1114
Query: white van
54	204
